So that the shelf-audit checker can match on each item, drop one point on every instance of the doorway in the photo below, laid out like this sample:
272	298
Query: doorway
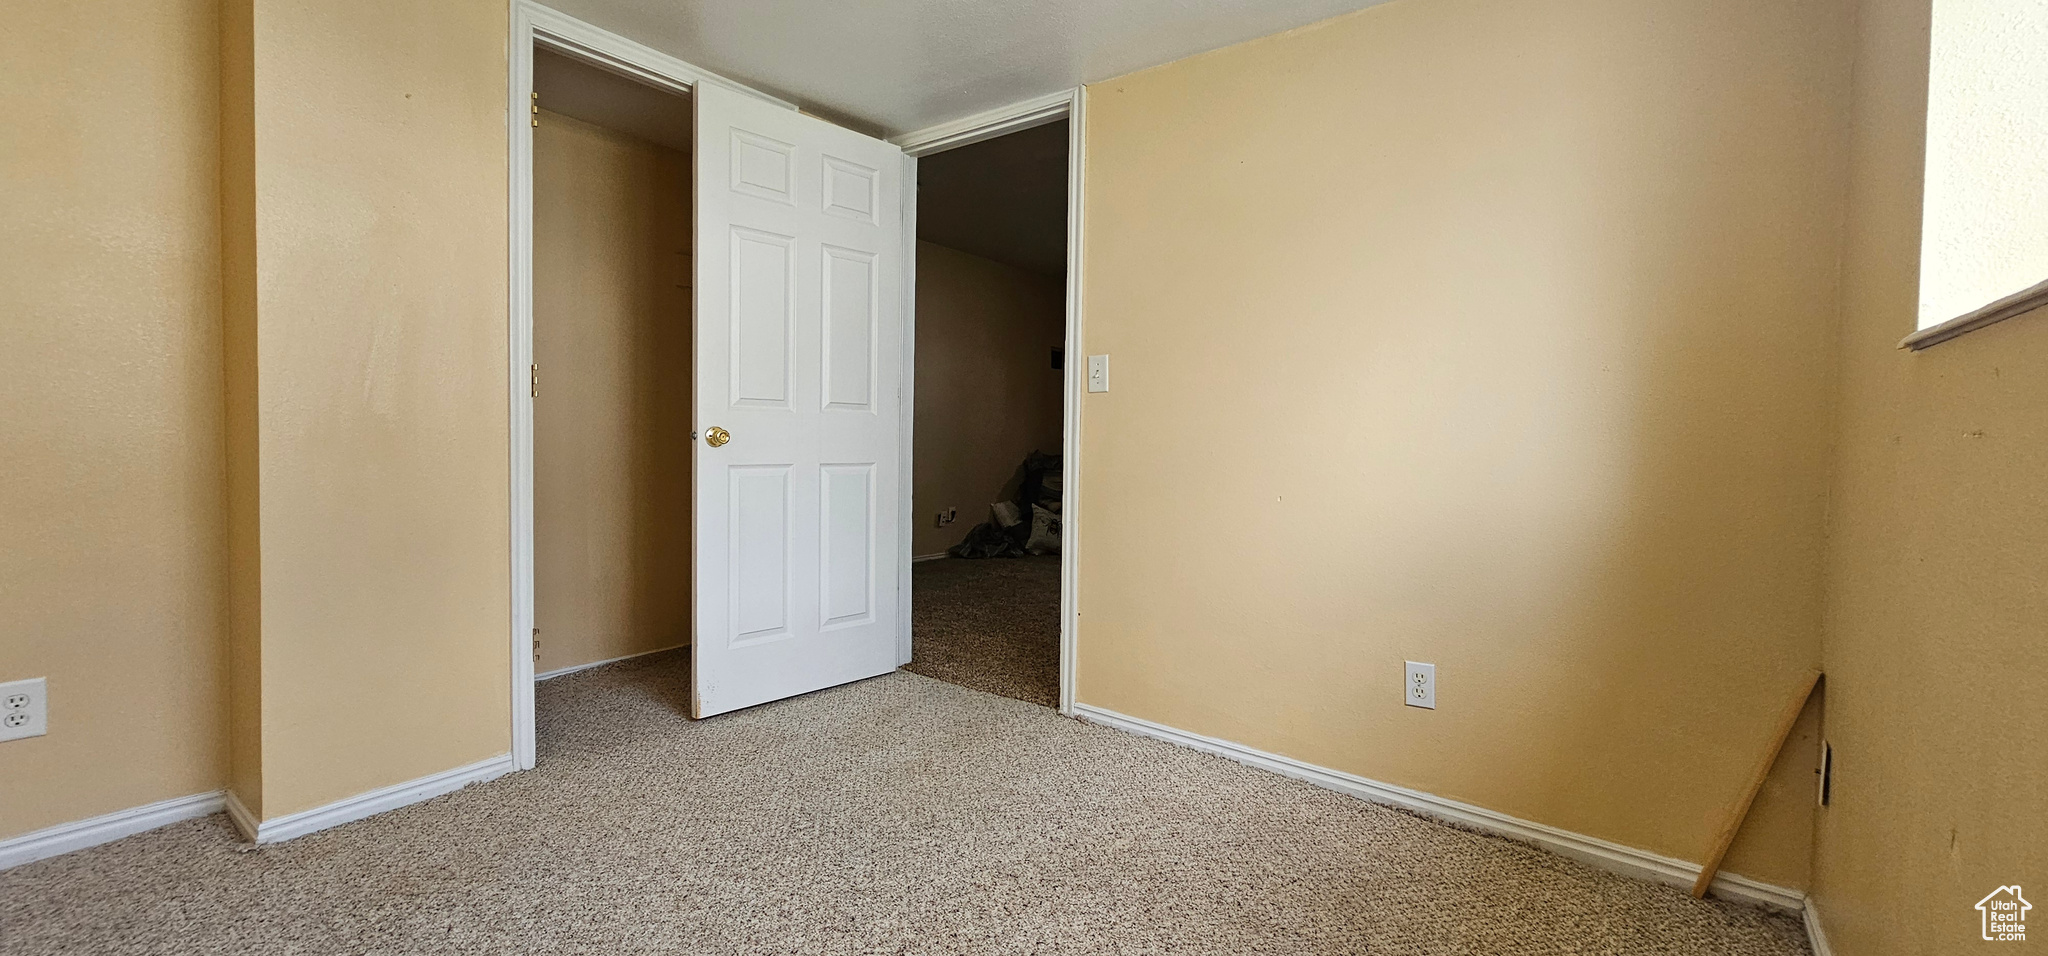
610	380
791	536
793	216
988	476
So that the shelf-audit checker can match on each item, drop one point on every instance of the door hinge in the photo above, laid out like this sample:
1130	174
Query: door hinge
536	108
533	381
536	645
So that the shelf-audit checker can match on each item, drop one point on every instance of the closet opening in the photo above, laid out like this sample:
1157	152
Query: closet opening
611	382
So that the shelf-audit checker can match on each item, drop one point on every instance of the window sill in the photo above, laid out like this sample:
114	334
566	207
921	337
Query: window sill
2019	303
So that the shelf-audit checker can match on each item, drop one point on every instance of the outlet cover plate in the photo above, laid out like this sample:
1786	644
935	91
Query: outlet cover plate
1420	685
24	709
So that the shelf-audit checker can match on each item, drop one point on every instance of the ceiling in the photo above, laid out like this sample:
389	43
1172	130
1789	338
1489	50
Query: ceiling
1003	199
895	66
577	89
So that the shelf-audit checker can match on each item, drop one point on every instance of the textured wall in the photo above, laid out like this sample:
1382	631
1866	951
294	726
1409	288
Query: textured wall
611	333
1492	334
111	381
1938	554
987	394
244	579
376	433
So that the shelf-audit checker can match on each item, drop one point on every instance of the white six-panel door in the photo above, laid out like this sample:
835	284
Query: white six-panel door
800	319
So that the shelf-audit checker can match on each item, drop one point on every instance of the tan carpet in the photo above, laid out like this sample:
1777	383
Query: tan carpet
898	815
991	624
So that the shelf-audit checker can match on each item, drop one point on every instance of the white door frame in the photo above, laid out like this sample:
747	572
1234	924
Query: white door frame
1067	105
537	25
534	24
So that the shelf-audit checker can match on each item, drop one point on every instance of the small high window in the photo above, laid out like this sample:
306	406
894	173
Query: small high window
1984	240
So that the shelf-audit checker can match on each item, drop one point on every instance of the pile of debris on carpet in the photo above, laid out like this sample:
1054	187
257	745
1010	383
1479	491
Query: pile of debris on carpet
1027	523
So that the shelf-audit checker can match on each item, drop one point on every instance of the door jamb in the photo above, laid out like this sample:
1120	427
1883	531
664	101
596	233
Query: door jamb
534	24
1067	105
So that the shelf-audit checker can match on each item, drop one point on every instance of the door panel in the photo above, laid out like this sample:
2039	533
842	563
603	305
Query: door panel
850	309
762	319
760	552
800	317
848	529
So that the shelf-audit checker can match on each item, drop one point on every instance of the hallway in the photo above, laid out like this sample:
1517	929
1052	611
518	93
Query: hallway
991	625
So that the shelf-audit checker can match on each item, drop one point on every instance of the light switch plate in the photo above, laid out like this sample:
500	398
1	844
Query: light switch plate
1421	685
1098	373
24	709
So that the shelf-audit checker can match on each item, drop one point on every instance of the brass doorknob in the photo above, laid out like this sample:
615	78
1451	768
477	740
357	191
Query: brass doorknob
717	436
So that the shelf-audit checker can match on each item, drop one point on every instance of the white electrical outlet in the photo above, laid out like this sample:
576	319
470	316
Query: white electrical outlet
1098	373
24	709
1421	685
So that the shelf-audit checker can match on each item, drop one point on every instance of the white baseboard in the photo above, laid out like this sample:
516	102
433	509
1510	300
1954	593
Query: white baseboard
920	559
240	816
105	828
565	671
1815	935
1606	855
365	804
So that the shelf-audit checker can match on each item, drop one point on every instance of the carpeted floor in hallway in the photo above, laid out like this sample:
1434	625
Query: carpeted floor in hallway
899	815
991	624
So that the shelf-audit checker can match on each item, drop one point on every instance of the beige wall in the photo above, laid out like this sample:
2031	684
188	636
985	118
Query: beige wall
330	258
1938	554
243	526
376	433
611	334
111	378
1490	334
987	394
